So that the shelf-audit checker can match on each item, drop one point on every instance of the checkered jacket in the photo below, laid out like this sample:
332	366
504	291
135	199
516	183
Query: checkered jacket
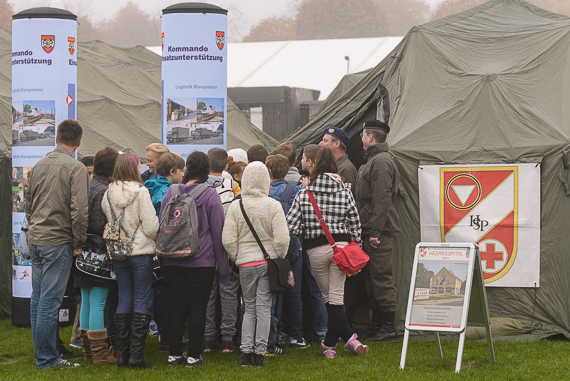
336	204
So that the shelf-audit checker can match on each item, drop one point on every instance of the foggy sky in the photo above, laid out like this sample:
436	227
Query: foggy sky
252	11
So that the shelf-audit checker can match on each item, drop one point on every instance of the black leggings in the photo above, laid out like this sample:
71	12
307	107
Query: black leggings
189	289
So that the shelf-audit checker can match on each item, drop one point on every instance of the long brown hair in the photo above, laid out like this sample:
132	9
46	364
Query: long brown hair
324	162
127	168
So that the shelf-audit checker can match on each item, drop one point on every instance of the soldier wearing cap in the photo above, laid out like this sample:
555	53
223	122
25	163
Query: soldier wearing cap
337	140
375	191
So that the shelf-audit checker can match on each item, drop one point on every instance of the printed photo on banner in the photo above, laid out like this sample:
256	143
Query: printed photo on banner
195	121
17	253
439	294
494	206
33	123
20	178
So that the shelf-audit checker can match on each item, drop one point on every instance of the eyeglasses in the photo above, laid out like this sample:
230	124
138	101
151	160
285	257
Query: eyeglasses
362	134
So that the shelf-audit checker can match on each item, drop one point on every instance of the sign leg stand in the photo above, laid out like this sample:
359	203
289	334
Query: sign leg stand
404	349
460	352
438	345
490	343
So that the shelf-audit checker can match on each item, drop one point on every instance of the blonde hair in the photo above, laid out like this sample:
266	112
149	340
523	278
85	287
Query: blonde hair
158	149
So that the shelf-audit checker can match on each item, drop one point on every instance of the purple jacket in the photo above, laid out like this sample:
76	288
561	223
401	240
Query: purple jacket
210	221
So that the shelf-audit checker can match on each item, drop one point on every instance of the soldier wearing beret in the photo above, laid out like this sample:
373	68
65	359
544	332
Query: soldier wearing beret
375	191
337	140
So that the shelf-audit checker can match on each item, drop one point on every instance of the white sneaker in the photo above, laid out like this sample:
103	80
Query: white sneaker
66	364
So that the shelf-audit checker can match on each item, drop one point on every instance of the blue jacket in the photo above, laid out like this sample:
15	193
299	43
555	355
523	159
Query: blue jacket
277	189
157	189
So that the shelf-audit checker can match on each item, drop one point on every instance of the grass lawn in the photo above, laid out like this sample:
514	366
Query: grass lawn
539	360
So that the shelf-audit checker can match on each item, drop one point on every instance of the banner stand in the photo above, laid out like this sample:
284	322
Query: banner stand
460	303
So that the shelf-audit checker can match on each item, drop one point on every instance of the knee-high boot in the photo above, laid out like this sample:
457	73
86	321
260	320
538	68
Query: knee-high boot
123	335
139	328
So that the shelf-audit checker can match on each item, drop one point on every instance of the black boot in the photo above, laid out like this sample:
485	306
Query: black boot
388	332
123	337
139	329
375	324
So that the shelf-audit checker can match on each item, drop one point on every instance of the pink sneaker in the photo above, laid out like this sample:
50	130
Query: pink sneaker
355	346
328	352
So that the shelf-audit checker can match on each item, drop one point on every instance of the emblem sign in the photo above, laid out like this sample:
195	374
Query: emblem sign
480	204
162	40
48	43
220	39
71	45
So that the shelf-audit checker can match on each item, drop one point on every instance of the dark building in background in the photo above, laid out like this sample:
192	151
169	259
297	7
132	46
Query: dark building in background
275	110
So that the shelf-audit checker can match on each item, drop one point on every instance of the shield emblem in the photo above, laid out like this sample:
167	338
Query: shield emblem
480	204
71	45
220	39
48	43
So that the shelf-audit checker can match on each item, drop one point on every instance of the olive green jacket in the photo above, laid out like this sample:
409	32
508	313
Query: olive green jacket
346	169
57	200
375	190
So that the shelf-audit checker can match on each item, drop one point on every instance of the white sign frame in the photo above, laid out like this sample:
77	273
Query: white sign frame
474	310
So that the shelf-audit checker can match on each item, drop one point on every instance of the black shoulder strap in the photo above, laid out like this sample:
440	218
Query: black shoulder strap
265	255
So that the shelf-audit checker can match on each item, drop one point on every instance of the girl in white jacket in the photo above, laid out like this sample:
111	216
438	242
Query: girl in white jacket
268	220
128	197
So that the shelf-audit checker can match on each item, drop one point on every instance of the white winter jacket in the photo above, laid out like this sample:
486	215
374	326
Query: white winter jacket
266	215
134	199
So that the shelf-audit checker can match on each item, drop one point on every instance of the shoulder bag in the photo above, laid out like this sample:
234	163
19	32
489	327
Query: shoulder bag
94	262
351	258
119	246
278	270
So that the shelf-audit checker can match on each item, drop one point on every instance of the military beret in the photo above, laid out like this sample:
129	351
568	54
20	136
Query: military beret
376	125
338	133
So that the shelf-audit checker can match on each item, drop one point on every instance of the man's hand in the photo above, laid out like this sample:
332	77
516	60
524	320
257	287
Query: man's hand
374	242
76	252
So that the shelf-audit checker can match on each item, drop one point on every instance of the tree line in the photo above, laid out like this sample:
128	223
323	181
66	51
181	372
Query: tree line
309	20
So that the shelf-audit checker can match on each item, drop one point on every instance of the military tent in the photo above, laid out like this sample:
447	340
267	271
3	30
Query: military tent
119	105
488	85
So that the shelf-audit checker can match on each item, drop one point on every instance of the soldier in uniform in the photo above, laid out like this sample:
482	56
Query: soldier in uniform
337	140
375	191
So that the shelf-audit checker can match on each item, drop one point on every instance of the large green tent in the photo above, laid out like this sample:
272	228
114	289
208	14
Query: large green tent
488	85
119	92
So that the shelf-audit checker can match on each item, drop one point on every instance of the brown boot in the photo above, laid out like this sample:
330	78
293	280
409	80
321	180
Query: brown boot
100	348
85	344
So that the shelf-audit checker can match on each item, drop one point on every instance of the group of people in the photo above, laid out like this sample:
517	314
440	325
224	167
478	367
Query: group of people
247	204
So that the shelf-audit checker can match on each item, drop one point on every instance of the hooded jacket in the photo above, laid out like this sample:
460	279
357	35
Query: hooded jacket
265	214
210	224
337	206
134	200
157	189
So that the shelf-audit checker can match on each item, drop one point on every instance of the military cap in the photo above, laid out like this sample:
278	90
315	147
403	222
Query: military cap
338	133
376	125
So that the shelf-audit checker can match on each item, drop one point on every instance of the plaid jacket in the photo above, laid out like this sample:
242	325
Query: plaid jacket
97	220
336	204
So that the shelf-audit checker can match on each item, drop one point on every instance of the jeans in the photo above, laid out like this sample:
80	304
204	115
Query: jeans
189	289
257	299
92	311
292	314
314	311
50	271
274	317
134	279
228	294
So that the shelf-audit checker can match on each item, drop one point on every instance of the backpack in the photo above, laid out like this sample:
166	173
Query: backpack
178	226
293	249
226	193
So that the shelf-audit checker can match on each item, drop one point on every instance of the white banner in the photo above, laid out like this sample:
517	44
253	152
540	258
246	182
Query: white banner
495	206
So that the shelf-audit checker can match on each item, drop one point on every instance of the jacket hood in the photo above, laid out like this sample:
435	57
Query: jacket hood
255	181
123	193
154	186
326	183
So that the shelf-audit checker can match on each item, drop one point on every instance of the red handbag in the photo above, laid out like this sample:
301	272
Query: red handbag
349	259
